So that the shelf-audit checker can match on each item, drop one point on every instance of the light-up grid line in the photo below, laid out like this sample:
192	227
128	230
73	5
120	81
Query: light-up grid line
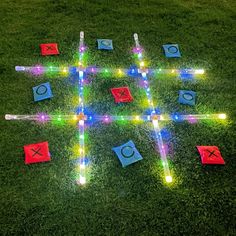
158	136
81	117
40	70
82	164
104	118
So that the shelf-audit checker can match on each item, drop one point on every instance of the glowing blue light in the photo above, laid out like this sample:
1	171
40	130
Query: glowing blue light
177	117
19	68
81	74
166	135
186	74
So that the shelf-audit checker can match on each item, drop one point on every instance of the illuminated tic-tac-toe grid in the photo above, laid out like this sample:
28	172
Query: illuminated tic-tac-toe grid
80	72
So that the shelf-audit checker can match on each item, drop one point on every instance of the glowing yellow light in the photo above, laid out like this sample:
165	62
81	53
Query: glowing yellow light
81	150
172	71
168	179
75	117
161	117
137	118
222	116
200	71
120	72
80	63
64	70
142	64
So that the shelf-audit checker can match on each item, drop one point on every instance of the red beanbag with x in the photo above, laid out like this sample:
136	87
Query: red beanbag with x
122	94
36	152
210	155
49	49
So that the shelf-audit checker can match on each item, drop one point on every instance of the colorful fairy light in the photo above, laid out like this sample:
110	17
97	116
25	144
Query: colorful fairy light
106	118
141	64
81	122
20	68
222	116
37	70
199	71
65	70
82	49
82	179
168	179
42	118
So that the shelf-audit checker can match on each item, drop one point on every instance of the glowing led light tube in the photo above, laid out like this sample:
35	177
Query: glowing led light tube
36	70
163	117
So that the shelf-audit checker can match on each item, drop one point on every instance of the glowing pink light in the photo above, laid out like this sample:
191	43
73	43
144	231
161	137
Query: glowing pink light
93	70
42	118
163	150
37	70
143	84
107	119
85	82
137	50
192	120
82	49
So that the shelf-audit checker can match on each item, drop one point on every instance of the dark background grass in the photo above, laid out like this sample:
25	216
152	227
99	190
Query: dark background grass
42	199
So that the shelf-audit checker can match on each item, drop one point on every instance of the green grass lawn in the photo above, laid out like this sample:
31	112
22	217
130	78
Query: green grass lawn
42	199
